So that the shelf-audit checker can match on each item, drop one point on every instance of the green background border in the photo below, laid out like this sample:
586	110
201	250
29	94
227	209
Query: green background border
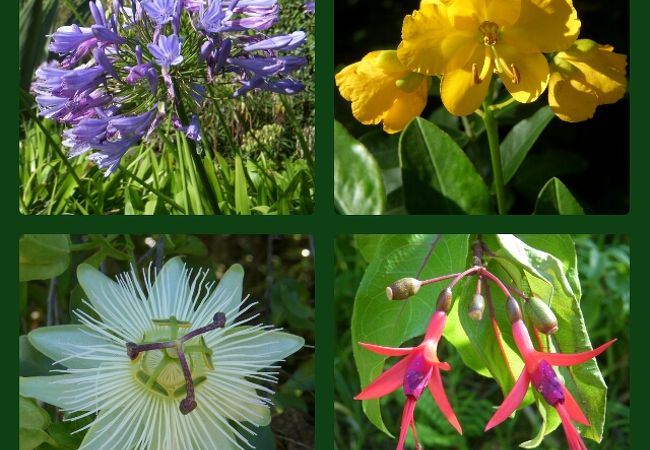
325	224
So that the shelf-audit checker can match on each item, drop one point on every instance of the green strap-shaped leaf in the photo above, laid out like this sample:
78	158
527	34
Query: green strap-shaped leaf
377	320
520	140
438	177
555	198
358	184
242	203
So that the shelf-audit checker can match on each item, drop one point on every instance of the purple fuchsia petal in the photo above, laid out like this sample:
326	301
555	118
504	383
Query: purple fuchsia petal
417	375
546	382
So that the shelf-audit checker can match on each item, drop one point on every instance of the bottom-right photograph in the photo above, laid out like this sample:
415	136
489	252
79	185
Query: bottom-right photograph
482	341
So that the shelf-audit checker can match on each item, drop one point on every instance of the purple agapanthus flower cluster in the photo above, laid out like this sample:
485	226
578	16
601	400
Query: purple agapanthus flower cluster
145	60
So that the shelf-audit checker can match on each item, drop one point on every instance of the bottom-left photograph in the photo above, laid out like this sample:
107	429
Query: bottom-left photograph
166	341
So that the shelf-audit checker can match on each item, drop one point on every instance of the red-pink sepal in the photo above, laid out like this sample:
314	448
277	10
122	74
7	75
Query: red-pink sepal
573	408
511	402
572	436
387	382
407	419
387	351
570	359
438	393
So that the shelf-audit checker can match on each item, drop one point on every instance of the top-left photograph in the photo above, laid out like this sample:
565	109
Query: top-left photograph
184	107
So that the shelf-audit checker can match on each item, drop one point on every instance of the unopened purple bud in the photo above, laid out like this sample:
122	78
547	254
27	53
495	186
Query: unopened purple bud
206	50
194	132
546	382
138	53
106	35
97	11
223	54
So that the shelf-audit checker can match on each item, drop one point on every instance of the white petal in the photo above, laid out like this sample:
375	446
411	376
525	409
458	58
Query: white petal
169	284
117	306
252	346
238	402
47	390
116	428
62	341
225	298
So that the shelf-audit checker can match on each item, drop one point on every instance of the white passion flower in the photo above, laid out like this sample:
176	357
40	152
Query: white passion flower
171	366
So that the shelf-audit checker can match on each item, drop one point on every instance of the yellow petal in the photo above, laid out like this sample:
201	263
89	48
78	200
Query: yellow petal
551	25
571	100
531	71
406	107
501	12
370	89
601	68
458	90
429	41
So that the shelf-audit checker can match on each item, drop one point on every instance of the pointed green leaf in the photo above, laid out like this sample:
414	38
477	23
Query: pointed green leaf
555	198
377	320
521	139
438	177
242	203
358	184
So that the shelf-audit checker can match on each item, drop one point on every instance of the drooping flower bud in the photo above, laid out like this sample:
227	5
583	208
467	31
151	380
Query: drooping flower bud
542	316
444	300
403	289
512	310
476	307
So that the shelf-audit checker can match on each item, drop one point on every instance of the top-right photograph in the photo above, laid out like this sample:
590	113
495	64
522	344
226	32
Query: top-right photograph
481	107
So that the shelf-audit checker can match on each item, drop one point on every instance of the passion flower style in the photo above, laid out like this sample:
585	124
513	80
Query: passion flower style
106	85
175	365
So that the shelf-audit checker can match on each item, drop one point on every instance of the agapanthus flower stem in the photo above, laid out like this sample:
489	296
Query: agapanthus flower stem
492	130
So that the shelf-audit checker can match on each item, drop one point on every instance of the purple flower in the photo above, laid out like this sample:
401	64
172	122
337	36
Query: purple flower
62	82
106	35
270	66
109	154
211	19
160	11
101	59
97	11
310	7
68	38
282	42
167	52
143	70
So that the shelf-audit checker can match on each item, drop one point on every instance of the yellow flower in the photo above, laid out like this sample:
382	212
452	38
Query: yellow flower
465	41
584	76
381	89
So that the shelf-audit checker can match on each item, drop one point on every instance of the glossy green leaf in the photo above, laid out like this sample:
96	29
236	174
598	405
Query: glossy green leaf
358	183
242	202
554	280
555	198
367	244
438	177
377	320
521	139
33	420
43	256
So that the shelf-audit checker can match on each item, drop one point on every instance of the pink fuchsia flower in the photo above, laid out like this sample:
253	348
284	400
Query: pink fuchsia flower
538	370
419	369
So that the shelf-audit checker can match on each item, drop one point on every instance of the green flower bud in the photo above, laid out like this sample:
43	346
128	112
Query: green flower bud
542	316
512	310
476	307
444	300
403	289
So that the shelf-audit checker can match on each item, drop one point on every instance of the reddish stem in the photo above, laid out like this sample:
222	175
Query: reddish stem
436	279
495	280
462	275
539	339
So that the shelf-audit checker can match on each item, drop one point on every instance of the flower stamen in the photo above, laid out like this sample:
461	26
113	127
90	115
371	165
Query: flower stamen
174	351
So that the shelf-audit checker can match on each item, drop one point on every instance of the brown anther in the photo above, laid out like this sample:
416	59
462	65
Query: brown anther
475	74
515	74
490	31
